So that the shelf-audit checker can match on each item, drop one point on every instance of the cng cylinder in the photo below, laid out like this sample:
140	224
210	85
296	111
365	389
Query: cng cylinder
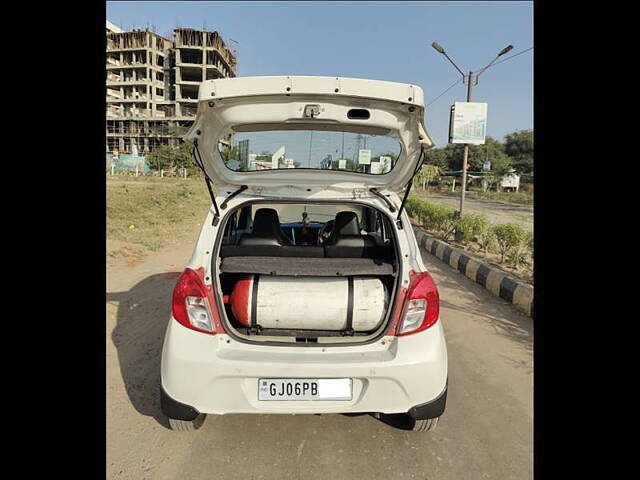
309	303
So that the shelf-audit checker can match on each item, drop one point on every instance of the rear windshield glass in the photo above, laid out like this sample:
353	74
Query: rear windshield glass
352	152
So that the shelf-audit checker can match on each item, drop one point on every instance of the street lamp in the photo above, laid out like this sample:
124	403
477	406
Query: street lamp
469	78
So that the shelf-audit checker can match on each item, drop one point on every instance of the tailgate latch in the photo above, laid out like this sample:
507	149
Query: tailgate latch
311	111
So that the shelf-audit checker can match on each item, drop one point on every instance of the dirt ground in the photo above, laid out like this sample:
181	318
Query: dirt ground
486	431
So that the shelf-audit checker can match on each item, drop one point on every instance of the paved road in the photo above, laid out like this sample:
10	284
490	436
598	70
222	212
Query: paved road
486	431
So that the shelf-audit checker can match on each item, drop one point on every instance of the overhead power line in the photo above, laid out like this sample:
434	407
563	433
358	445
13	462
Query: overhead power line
512	56
448	88
458	81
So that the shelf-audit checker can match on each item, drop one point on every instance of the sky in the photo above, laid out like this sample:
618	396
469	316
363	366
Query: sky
378	40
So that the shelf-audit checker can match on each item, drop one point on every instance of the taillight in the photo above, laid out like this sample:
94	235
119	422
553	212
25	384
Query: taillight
191	304
422	305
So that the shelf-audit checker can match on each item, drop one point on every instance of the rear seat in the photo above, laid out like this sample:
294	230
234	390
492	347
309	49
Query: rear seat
267	240
347	241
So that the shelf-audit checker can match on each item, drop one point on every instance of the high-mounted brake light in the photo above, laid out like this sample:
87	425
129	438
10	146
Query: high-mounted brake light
191	304
422	305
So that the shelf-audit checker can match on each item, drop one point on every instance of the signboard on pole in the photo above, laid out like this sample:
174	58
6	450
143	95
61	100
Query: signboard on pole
364	157
469	123
342	164
486	166
376	168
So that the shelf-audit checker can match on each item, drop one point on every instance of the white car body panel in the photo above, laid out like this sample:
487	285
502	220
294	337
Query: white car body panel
218	374
215	374
264	103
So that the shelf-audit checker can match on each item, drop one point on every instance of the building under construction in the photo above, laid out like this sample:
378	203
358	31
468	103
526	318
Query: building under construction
152	84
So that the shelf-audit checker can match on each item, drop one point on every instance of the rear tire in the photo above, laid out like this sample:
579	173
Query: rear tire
187	425
426	425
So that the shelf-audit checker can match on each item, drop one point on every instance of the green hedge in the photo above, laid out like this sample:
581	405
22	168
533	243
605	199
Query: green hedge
510	240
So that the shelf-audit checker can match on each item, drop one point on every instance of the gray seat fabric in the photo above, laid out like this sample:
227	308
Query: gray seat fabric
345	223
266	230
347	242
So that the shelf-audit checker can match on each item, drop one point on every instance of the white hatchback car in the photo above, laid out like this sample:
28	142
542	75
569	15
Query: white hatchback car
306	292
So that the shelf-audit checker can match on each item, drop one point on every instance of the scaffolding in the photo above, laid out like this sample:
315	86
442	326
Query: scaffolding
151	96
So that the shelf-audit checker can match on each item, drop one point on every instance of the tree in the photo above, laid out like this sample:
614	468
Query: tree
229	154
169	157
183	157
493	151
264	156
501	164
519	146
426	174
438	157
161	158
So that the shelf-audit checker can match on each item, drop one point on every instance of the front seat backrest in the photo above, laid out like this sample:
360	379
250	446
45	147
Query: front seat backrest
345	223
266	230
348	242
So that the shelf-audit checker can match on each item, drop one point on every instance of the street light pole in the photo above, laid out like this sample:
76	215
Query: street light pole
470	78
466	148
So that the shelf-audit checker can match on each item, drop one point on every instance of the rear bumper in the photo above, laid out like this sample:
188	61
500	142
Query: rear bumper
180	411
218	375
431	409
174	409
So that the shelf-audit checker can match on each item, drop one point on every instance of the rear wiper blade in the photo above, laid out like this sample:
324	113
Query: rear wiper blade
392	208
223	205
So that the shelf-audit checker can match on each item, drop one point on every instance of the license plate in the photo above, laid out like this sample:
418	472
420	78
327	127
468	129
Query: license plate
270	389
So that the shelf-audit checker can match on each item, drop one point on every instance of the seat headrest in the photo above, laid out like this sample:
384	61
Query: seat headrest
346	223
266	223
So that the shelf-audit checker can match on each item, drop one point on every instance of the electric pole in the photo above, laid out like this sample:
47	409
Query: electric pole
471	80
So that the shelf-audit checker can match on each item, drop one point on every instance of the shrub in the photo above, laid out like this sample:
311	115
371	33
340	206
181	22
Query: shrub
509	238
470	226
439	218
522	254
517	256
413	206
528	240
448	224
436	218
486	238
